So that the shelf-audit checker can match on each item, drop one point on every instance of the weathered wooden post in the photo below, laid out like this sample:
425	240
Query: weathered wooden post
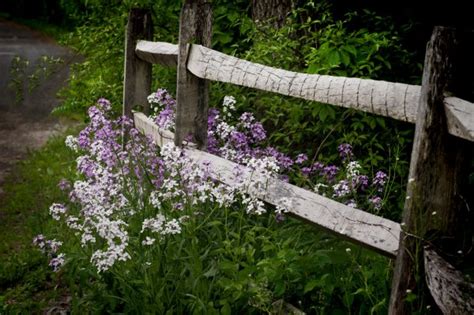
192	92
137	73
435	210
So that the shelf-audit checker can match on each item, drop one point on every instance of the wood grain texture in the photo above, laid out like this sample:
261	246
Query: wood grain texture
358	226
395	100
451	292
192	93
137	73
460	116
435	208
162	53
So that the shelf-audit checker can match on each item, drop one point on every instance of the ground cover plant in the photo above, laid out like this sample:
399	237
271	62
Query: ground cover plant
26	284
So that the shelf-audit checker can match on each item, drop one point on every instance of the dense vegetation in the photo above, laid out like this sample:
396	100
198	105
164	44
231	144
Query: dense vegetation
288	261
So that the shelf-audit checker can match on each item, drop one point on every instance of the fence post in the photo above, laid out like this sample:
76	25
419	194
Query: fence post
192	93
137	73
435	211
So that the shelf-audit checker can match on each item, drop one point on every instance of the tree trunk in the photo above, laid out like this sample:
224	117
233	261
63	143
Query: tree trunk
273	11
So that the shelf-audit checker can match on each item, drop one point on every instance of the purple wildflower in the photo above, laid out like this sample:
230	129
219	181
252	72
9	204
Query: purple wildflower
104	104
64	184
57	262
165	119
257	132
212	118
212	145
86	166
306	171
279	217
83	139
247	119
345	151
341	189
39	240
376	202
285	178
379	180
301	158
360	182
238	139
317	167
330	172
283	160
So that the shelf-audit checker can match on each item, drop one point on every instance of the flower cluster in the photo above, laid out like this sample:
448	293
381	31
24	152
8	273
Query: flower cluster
243	142
347	183
164	108
122	183
50	248
134	193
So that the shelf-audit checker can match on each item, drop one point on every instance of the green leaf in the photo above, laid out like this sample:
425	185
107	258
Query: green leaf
334	58
225	309
351	49
311	285
279	289
345	58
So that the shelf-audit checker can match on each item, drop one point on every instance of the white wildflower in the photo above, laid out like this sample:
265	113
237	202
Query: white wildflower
284	205
71	142
320	188
148	241
353	169
56	210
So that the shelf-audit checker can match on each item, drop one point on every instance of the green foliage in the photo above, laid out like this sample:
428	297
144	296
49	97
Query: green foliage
18	68
227	262
45	67
360	45
99	38
26	283
20	78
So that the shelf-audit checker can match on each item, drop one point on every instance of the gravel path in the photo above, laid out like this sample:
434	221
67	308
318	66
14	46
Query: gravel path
27	125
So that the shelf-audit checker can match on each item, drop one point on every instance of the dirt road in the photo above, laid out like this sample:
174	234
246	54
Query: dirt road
26	125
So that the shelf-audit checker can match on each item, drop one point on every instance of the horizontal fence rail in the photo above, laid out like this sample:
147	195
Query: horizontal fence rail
366	229
394	100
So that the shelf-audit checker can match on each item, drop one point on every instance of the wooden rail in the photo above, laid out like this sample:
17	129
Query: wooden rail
355	225
395	100
438	163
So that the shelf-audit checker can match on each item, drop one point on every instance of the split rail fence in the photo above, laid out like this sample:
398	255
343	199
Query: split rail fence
441	153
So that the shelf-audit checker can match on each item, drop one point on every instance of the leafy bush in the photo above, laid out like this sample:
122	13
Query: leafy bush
314	42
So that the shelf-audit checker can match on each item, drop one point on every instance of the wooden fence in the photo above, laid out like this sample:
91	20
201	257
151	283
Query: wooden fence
442	148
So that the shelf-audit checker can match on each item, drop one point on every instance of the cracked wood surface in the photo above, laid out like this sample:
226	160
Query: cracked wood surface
452	293
460	117
355	225
162	53
137	73
395	100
